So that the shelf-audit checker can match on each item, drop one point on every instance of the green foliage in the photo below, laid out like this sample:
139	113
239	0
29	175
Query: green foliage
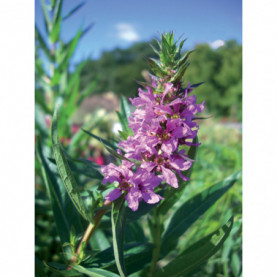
197	254
118	226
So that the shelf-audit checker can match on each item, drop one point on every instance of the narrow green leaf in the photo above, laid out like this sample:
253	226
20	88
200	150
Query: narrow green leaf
47	21
64	170
55	33
117	155
74	10
73	78
65	214
197	85
136	256
69	50
184	59
191	210
61	270
86	92
81	135
43	44
57	10
84	167
104	141
197	254
125	107
94	272
118	224
180	73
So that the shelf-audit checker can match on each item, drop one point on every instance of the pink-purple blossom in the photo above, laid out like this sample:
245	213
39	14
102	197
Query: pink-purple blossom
162	121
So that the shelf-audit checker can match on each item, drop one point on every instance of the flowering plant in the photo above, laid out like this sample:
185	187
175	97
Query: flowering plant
156	151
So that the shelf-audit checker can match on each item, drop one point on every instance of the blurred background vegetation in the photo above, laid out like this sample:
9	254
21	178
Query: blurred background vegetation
88	94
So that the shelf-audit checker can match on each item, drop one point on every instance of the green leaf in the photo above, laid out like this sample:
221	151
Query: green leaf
99	240
117	155
172	195
118	224
81	135
57	11
156	67
65	172
56	30
69	50
134	232
84	167
94	272
104	141
136	256
197	254
86	92
180	73
191	210
65	214
125	107
43	44
74	10
47	21
61	270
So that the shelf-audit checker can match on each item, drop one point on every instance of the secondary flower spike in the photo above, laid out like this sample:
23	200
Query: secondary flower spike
163	120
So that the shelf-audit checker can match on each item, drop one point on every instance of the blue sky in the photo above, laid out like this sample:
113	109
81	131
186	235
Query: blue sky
120	23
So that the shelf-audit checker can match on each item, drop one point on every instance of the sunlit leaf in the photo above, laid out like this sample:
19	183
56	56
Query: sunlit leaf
118	226
197	254
64	170
191	210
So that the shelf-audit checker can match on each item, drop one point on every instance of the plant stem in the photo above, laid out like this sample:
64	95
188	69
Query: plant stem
89	231
156	234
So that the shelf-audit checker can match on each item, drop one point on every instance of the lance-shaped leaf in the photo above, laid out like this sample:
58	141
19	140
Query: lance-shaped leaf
191	210
197	254
64	170
61	270
84	167
86	92
104	141
117	155
94	272
172	195
118	227
65	214
43	44
47	21
74	10
180	73
156	67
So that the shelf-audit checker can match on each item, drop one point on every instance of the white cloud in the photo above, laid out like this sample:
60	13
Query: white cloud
127	32
217	43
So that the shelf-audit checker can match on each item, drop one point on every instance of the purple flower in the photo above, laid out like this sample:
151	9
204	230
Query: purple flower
160	164
135	186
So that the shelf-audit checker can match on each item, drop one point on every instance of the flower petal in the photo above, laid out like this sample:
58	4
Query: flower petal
170	177
114	194
151	197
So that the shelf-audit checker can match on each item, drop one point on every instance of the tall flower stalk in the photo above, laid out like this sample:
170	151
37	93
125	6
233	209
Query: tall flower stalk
162	124
157	149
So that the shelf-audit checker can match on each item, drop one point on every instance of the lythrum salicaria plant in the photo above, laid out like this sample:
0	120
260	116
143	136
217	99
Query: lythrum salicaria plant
137	216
